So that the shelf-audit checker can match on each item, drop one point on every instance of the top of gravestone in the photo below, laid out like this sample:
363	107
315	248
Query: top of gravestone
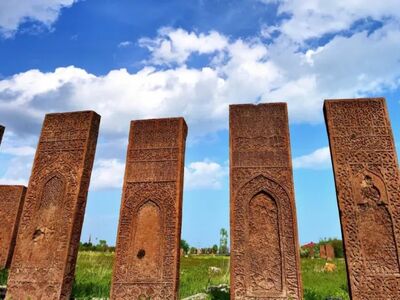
91	112
255	105
327	101
179	119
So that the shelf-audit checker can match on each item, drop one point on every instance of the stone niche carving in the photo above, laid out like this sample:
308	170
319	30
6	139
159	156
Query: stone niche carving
44	260
1	133
264	242
368	192
11	203
148	244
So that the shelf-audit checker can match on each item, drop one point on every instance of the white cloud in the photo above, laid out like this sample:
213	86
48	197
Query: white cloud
314	18
15	12
317	160
20	151
176	45
18	171
243	71
125	44
107	173
204	175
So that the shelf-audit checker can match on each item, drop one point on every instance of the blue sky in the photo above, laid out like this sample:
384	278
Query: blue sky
145	59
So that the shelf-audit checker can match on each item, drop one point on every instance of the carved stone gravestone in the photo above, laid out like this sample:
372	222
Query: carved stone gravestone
1	133
264	242
48	237
368	191
148	244
330	252
322	251
11	203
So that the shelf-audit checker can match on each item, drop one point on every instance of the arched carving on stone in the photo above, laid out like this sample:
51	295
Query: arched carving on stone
146	241
375	224
267	227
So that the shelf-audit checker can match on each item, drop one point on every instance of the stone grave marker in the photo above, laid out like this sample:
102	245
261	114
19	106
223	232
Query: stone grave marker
148	244
48	237
11	203
330	252
322	252
264	241
1	133
368	193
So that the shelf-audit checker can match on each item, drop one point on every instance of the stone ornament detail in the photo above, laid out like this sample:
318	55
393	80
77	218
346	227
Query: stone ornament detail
368	193
148	244
11	202
45	255
264	242
2	128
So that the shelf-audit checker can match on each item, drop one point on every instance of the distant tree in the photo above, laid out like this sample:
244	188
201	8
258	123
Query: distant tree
185	246
215	249
102	245
223	241
193	250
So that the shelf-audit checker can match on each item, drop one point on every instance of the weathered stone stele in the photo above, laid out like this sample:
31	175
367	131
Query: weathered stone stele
330	252
48	237
322	252
368	192
1	133
264	242
148	244
11	203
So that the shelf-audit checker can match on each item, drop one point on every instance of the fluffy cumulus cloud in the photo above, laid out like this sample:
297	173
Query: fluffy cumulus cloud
15	12
314	18
317	160
176	45
107	173
205	174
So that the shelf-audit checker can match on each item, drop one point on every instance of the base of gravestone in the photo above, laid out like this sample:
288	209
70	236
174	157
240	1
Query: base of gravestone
3	290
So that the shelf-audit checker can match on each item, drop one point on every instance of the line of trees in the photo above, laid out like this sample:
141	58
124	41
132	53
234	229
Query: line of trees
222	249
101	246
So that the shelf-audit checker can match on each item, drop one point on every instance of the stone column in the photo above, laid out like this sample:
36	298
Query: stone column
148	244
44	260
264	242
368	193
11	204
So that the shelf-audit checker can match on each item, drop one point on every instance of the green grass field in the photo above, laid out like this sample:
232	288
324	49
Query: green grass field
93	276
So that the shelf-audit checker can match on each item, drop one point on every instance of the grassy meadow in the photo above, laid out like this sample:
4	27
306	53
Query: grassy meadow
94	269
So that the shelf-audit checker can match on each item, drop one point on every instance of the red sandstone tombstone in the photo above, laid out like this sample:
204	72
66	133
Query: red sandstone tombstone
264	243
330	252
312	253
147	252
322	252
44	260
11	204
368	191
1	132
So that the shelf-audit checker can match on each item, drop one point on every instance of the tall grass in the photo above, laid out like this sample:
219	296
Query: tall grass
94	271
